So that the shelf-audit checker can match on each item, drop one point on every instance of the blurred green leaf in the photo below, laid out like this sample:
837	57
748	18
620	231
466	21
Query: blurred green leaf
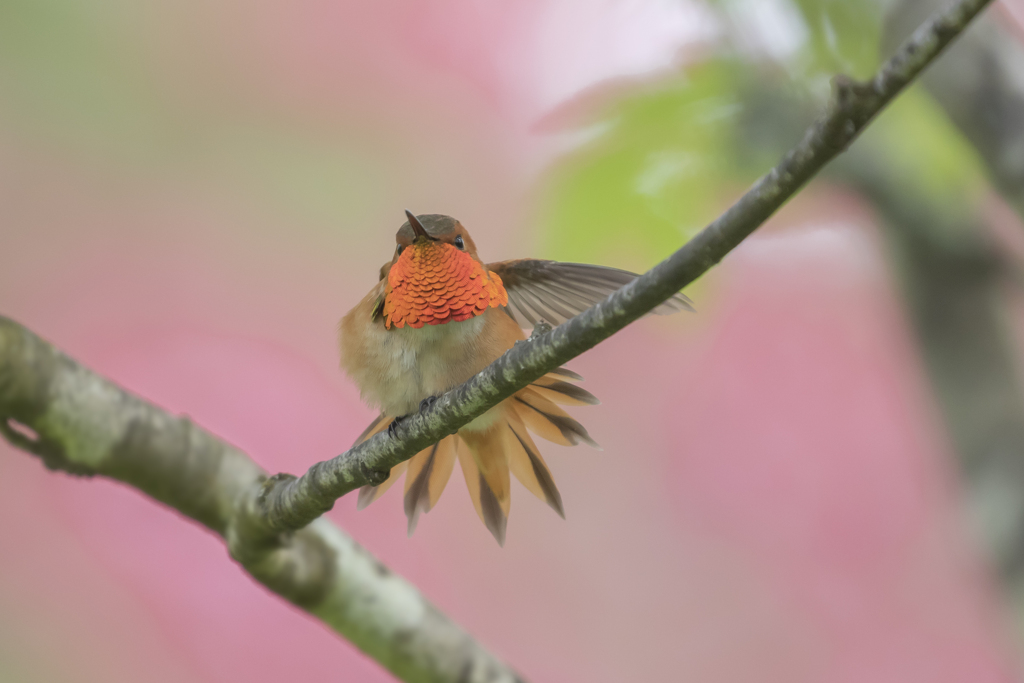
655	175
843	36
670	156
73	75
928	153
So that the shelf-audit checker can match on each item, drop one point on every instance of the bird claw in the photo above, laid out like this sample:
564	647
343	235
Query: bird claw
393	427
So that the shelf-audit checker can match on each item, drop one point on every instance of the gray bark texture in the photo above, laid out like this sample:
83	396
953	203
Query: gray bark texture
83	424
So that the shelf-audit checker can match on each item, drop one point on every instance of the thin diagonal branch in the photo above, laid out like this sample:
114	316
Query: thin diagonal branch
290	503
76	421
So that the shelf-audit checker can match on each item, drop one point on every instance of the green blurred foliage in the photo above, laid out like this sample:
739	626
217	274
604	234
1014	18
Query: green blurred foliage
670	156
65	75
81	77
653	176
843	36
928	154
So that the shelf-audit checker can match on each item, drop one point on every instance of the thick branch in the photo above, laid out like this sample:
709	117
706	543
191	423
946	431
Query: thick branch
81	423
290	503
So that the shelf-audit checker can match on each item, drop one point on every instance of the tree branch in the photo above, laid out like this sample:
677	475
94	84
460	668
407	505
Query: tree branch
76	421
979	84
288	503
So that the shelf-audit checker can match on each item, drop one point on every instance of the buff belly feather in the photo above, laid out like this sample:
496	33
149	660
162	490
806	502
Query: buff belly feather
398	368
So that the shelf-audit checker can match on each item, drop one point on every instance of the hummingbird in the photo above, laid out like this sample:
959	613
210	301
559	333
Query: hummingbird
439	315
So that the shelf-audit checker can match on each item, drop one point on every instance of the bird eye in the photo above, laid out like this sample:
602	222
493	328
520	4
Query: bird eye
459	243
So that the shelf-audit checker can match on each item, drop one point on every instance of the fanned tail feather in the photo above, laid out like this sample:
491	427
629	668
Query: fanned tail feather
426	477
547	420
489	451
488	456
564	393
529	467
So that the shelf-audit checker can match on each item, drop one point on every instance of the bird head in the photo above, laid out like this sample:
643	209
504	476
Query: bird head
436	276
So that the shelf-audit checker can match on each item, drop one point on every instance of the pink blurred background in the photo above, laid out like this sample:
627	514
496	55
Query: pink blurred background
194	193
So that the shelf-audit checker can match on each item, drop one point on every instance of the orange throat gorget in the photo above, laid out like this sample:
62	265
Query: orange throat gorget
434	283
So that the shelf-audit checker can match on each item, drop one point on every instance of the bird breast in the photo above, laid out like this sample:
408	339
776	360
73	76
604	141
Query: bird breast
397	368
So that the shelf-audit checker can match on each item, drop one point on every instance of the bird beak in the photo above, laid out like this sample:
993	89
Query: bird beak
417	227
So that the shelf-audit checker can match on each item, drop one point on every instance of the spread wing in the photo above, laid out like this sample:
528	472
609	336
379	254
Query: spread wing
554	291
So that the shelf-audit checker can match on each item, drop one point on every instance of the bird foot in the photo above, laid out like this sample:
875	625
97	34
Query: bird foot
393	427
424	404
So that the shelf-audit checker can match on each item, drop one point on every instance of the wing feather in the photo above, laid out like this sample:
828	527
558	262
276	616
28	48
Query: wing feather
554	292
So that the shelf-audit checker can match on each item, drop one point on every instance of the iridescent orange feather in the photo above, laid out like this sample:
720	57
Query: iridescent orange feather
433	283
